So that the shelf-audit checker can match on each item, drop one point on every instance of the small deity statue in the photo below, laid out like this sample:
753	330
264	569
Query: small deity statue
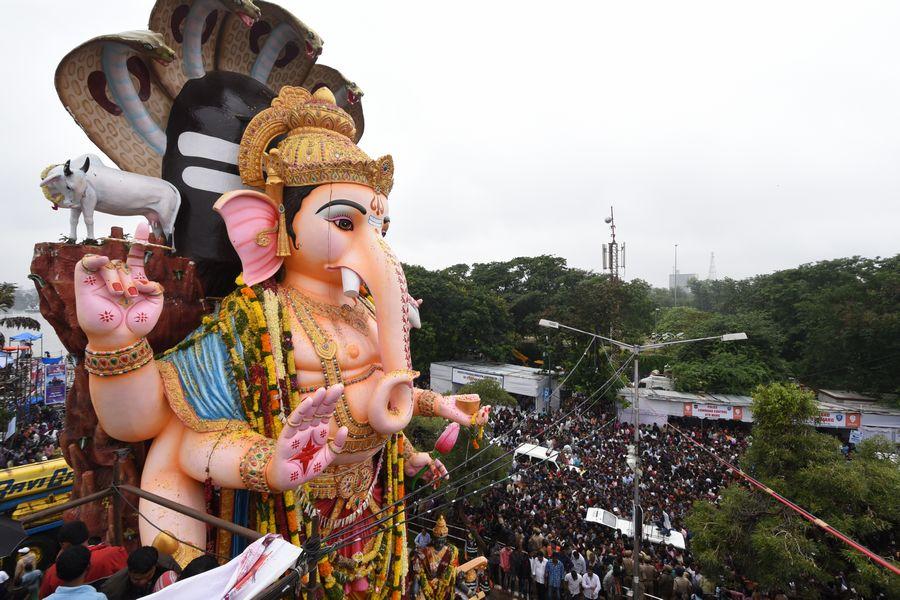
435	566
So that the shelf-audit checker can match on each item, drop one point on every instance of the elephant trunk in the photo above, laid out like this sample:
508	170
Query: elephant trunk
392	406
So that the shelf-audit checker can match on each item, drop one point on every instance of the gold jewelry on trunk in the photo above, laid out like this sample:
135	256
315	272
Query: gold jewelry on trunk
426	402
118	362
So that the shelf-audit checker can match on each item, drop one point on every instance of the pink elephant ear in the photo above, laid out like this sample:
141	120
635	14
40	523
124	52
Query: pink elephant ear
252	222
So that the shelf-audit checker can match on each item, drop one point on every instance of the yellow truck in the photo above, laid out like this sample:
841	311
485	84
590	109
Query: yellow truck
33	487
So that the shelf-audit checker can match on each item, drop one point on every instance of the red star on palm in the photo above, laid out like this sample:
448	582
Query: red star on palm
307	453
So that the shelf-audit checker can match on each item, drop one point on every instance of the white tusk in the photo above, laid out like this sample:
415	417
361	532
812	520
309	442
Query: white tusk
351	282
415	320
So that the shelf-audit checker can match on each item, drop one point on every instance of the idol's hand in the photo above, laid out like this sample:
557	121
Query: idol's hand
303	449
115	303
436	472
451	407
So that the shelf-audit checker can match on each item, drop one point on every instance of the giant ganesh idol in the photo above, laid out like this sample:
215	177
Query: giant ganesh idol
291	399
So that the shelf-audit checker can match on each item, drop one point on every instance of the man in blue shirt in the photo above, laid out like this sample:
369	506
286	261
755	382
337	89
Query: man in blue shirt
554	577
71	567
423	539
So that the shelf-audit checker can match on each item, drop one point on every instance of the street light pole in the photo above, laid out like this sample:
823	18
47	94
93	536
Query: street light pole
638	527
636	349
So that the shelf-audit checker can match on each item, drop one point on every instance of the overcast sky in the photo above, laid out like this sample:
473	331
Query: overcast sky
766	132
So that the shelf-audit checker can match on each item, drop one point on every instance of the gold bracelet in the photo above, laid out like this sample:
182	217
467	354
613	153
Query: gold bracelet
253	465
426	403
118	362
408	450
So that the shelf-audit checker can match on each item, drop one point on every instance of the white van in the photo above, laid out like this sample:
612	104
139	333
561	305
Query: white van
534	454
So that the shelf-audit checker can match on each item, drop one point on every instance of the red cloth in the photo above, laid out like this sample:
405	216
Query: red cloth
364	528
105	560
165	580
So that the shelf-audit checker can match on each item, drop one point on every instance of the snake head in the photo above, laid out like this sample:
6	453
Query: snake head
246	11
149	44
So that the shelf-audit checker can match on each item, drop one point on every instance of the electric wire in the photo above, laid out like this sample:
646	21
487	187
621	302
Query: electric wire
365	526
490	443
359	538
161	530
469	477
788	503
794	507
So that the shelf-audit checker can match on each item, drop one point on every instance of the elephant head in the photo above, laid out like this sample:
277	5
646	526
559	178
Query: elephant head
337	244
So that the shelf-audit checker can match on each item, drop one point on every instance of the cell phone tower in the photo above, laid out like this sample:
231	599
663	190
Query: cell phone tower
613	254
712	267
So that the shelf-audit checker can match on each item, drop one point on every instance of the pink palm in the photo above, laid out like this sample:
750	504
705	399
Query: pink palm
115	302
302	450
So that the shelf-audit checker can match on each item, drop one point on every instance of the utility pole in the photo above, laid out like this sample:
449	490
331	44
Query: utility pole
638	515
634	455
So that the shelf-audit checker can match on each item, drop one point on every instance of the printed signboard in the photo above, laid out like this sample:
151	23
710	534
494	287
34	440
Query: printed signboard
712	411
840	420
463	376
55	383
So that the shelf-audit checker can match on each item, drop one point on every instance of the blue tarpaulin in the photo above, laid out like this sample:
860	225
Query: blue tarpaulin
26	336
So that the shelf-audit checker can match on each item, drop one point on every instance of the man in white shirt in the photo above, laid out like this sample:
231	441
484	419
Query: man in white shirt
590	585
578	562
573	584
538	566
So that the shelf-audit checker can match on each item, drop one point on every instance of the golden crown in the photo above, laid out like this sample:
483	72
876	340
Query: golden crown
318	147
440	527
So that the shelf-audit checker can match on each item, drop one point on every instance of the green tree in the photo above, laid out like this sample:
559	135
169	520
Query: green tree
459	319
723	367
750	534
490	392
839	318
7	301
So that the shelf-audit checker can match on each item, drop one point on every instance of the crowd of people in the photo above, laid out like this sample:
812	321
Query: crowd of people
87	569
34	442
542	546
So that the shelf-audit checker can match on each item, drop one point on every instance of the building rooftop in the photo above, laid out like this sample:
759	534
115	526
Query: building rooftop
843	395
869	406
500	369
701	398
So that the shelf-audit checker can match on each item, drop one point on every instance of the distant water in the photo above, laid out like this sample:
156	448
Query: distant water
50	339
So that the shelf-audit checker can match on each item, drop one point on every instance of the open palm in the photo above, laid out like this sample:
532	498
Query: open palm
115	302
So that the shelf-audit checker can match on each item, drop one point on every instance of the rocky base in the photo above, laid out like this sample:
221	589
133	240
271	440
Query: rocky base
87	448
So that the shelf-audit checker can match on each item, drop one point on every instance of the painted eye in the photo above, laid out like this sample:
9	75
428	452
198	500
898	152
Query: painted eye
148	47
343	223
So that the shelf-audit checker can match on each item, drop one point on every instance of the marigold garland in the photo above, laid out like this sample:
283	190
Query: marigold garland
253	320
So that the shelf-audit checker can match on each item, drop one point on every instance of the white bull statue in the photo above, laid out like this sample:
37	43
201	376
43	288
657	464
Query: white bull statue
93	186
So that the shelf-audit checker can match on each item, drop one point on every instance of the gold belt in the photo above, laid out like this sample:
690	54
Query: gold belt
342	481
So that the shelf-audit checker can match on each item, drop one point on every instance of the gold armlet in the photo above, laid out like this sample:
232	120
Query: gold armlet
253	465
118	362
426	403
